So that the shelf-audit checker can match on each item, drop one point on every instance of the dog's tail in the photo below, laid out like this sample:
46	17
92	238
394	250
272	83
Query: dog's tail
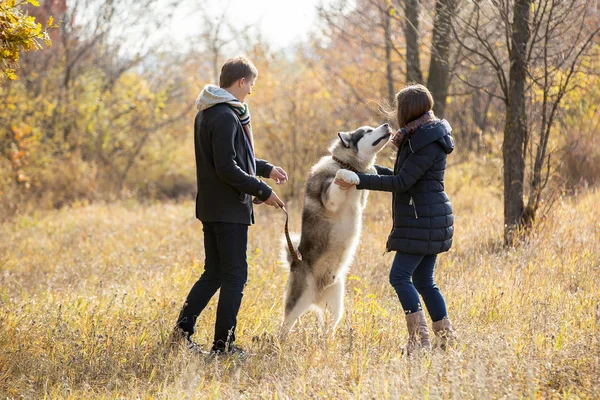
284	256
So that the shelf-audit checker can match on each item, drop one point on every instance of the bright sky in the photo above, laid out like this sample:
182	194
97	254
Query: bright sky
282	22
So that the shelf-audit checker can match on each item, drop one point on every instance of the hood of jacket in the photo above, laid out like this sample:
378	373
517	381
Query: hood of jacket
212	95
439	131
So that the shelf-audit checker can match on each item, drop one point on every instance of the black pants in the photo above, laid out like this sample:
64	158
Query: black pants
225	267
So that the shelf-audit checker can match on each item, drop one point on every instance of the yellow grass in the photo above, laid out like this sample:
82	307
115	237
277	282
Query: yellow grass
88	295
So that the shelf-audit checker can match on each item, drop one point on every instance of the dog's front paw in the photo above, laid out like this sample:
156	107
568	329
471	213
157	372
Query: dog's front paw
347	176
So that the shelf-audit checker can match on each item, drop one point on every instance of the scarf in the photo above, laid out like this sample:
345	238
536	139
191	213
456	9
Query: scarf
407	130
212	95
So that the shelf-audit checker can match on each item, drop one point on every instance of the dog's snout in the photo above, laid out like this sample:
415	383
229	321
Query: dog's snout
386	125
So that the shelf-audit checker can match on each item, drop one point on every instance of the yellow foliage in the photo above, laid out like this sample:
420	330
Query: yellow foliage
18	32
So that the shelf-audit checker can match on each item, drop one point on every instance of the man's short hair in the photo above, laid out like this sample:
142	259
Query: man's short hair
235	69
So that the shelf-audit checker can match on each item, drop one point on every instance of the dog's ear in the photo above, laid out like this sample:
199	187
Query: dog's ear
345	138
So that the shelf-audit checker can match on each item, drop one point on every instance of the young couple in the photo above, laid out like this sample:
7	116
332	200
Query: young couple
227	170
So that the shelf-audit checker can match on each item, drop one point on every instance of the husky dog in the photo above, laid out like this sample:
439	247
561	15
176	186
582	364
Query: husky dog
331	225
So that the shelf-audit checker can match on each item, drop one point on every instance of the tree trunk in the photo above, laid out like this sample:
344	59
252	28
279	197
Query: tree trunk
515	129
437	80
131	161
388	56
411	34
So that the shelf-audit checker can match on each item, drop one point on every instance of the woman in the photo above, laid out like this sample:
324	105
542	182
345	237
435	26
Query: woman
421	210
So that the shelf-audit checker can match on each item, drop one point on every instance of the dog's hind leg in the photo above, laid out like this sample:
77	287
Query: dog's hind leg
333	298
300	297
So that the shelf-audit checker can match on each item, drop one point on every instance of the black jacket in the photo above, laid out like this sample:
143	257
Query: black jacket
422	213
225	186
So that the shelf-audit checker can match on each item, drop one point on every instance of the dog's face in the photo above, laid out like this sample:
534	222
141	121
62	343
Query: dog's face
366	141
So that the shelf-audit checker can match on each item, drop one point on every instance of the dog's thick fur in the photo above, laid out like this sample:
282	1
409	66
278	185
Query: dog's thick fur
331	225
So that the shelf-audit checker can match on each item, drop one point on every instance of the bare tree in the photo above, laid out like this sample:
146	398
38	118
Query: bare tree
410	27
387	32
525	43
482	33
438	78
214	39
515	130
107	40
386	11
350	23
563	32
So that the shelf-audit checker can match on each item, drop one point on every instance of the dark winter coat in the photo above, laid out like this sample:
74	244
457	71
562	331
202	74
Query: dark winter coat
422	213
225	185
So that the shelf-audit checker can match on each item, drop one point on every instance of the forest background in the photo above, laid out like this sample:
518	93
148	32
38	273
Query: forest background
96	147
105	113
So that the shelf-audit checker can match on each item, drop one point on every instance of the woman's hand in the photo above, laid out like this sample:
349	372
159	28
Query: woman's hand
346	179
278	175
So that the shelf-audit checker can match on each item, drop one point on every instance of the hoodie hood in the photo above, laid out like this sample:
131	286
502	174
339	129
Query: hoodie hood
439	131
212	95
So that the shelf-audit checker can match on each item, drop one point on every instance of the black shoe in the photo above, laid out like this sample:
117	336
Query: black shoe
229	351
194	347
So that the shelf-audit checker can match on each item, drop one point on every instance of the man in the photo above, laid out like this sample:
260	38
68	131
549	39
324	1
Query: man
226	172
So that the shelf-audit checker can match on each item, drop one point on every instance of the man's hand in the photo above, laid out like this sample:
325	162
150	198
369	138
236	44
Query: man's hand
274	201
278	175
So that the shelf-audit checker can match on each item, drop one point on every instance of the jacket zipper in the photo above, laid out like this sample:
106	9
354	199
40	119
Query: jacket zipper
412	203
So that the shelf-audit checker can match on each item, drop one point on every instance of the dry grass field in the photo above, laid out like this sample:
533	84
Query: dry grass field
88	295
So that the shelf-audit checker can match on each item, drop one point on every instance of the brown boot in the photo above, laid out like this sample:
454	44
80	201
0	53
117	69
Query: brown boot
443	330
418	332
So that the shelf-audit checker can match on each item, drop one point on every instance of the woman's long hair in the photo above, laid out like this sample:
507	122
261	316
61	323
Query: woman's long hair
412	102
409	104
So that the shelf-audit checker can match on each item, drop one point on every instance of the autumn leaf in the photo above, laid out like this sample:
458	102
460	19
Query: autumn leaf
19	33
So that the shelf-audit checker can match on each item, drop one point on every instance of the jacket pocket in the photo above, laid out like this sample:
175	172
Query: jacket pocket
412	203
242	197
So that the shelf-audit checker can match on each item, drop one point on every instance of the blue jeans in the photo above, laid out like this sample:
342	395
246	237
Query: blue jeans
420	268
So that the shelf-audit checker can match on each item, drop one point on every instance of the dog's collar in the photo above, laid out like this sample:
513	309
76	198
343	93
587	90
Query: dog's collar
345	165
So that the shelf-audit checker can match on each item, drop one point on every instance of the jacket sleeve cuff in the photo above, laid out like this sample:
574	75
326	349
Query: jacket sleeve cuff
263	168
267	170
264	192
364	181
383	170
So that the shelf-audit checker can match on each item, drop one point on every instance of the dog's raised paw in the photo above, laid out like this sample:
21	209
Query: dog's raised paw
347	176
